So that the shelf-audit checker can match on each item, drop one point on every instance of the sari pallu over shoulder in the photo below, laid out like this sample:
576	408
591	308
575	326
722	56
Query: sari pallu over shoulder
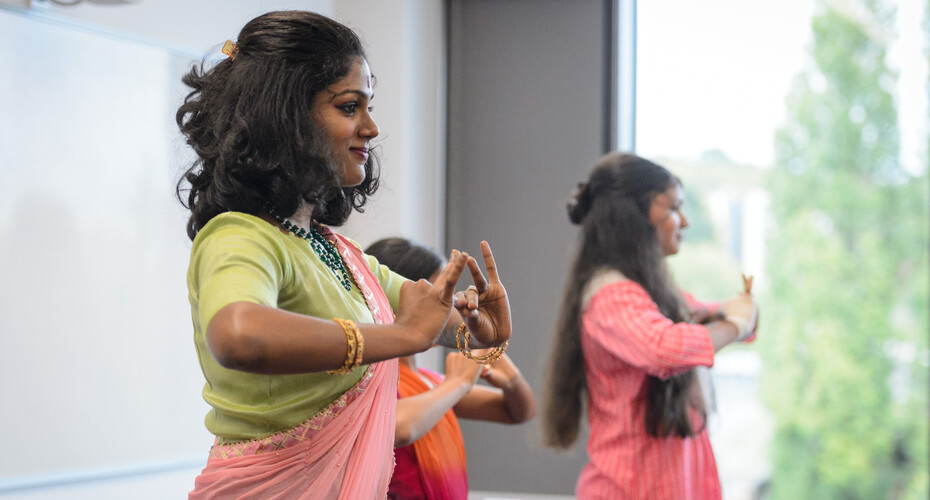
343	452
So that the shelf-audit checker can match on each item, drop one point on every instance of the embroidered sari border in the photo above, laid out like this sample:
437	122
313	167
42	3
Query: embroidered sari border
295	435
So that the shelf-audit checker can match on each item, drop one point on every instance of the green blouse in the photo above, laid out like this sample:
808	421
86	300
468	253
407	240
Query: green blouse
239	257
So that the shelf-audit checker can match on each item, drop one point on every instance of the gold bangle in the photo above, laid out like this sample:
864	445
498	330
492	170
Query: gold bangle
352	348
458	340
360	346
491	357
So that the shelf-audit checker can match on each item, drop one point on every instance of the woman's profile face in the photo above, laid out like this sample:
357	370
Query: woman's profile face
343	112
666	216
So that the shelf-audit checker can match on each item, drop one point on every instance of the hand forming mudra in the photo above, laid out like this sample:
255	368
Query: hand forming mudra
484	305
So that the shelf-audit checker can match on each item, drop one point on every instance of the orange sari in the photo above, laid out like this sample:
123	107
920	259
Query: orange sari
434	466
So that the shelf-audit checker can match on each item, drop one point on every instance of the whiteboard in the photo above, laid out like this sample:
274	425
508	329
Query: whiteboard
97	361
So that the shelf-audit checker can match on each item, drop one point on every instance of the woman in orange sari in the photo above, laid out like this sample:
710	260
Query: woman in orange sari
296	330
430	454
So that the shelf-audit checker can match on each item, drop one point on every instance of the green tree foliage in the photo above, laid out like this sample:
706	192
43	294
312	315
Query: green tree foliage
845	325
702	252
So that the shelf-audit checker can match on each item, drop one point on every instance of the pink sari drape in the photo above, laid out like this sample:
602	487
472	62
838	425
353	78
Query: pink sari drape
343	452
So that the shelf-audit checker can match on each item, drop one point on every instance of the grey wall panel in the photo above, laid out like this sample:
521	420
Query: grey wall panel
528	107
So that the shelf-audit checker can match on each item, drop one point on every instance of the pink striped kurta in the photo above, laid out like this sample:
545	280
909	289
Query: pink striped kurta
625	338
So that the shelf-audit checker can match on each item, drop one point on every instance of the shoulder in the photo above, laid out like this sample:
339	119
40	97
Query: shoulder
348	240
233	225
612	297
388	278
233	234
356	249
605	280
232	222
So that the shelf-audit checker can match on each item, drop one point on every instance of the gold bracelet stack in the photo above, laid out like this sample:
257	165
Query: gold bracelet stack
356	345
492	356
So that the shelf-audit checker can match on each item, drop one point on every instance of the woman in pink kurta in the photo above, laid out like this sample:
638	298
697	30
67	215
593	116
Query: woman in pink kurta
630	341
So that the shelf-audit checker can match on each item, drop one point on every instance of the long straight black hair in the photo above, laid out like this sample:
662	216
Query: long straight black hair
612	209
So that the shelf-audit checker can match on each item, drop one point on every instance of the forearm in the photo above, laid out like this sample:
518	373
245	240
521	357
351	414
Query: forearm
416	415
519	400
722	333
447	339
260	339
512	405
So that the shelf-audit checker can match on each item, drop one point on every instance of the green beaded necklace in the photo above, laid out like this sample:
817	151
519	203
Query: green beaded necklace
323	248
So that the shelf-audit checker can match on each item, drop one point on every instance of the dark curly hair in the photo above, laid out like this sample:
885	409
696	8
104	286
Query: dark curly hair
613	211
248	118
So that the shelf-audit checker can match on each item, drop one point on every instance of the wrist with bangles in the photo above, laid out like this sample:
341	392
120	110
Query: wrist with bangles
492	356
354	350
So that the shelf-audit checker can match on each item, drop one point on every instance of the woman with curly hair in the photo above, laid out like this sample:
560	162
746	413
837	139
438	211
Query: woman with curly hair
298	331
628	342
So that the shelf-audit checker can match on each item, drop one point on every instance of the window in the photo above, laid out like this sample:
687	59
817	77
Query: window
800	132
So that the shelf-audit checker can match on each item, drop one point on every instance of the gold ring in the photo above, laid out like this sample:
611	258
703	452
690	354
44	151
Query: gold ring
473	287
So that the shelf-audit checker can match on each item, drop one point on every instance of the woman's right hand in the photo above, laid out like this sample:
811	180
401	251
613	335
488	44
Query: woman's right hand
424	307
462	368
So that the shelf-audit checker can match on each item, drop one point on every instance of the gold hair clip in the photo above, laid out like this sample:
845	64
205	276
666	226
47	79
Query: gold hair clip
231	49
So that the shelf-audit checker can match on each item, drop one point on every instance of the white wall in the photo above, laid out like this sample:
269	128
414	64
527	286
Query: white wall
195	26
405	40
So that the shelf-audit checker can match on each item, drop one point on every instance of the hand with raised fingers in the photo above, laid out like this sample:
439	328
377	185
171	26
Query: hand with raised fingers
424	307
484	305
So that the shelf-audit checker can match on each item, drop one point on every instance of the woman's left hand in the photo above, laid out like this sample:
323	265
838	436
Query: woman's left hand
484	306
